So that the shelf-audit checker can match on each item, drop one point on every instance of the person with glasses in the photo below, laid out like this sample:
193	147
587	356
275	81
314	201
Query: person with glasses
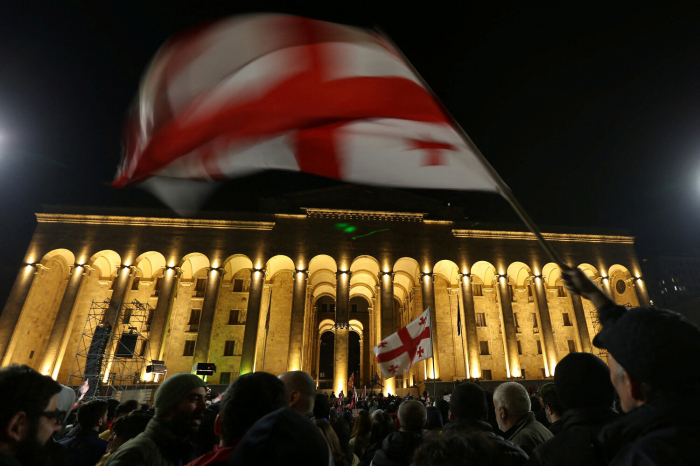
29	415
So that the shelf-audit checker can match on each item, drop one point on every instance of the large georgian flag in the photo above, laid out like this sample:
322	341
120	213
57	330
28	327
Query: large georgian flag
399	351
269	91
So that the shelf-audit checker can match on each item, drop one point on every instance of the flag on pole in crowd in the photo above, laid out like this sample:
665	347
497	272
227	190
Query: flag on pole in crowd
354	399
351	382
82	390
340	399
406	397
364	393
272	91
399	351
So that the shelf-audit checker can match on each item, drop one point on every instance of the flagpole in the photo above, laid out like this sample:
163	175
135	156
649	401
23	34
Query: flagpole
267	329
502	187
433	358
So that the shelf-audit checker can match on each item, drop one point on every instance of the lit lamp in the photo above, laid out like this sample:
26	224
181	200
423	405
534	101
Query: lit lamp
156	367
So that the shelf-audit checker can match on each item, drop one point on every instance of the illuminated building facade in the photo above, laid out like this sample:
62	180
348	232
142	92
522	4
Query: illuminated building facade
334	282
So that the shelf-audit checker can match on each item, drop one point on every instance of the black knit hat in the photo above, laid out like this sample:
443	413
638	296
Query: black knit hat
653	345
582	380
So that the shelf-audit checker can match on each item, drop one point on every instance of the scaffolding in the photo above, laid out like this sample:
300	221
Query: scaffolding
112	349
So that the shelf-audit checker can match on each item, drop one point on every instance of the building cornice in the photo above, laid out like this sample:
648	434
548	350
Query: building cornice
363	214
522	235
154	222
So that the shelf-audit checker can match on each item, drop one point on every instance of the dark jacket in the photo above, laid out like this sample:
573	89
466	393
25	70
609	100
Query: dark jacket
368	454
660	432
555	427
397	449
85	449
156	446
574	444
527	433
507	453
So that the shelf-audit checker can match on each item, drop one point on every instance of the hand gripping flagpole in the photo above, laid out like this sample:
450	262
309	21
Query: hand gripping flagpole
503	189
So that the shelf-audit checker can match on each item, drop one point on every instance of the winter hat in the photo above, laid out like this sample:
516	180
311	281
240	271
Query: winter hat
583	380
175	388
65	401
647	342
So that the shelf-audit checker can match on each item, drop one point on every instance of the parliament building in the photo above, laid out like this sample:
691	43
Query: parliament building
299	287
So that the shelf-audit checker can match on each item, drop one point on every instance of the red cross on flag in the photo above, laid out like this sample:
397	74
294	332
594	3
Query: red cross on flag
399	351
271	91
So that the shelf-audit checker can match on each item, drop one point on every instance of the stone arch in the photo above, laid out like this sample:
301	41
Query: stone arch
367	263
589	270
519	273
357	327
551	273
448	270
362	290
409	267
150	264
322	262
67	258
326	325
233	264
192	263
484	271
364	276
106	262
277	264
323	290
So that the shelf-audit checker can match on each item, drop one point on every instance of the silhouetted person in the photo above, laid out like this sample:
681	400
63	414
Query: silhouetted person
301	392
398	448
552	406
87	448
512	407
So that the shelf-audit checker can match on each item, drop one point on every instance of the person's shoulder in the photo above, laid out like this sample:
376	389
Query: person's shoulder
133	452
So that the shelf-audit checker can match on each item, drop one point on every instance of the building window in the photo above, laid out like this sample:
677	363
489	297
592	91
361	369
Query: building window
225	378
512	293
530	298
331	308
484	348
539	347
126	317
520	347
567	319
572	346
481	319
200	287
156	289
561	291
353	308
229	347
477	290
486	374
193	324
135	284
236	317
189	348
31	355
149	321
144	346
515	321
534	320
237	285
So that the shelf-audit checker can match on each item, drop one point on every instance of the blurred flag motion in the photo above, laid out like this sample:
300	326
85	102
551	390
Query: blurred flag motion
270	91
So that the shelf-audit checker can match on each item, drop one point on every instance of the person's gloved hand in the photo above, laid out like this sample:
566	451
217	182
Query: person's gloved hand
577	282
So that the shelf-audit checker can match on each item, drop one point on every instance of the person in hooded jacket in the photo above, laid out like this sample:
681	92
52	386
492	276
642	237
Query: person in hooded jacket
398	448
655	370
468	414
586	394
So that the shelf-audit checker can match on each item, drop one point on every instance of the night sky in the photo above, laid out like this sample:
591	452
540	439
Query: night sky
590	113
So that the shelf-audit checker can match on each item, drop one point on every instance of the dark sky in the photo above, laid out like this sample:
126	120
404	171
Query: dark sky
589	112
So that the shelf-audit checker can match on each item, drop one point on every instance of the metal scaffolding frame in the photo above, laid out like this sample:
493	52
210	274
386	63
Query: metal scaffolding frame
112	349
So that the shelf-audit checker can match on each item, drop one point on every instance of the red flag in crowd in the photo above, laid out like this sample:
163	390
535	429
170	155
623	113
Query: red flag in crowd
270	91
399	351
351	382
364	393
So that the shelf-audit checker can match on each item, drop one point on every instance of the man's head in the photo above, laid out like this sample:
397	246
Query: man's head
551	403
301	391
93	415
468	402
412	416
29	413
127	427
180	399
511	402
126	407
246	400
644	344
583	381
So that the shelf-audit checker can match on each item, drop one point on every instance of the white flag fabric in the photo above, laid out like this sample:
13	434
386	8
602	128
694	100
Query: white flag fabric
399	351
270	91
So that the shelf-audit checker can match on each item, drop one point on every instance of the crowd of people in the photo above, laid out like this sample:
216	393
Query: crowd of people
636	411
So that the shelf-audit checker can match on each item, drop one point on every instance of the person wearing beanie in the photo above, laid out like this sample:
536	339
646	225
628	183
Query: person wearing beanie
468	416
180	404
655	370
584	390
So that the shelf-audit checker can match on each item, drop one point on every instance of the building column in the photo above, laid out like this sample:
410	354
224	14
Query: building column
296	325
250	335
472	353
428	291
641	291
317	357
206	321
581	323
158	333
60	332
509	326
550	349
342	331
13	308
386	290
